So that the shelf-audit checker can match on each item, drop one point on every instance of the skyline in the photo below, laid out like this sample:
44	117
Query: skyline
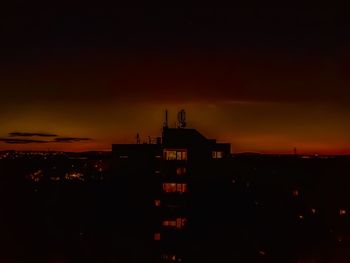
264	79
244	140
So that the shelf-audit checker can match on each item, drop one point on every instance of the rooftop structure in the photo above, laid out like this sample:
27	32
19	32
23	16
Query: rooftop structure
165	176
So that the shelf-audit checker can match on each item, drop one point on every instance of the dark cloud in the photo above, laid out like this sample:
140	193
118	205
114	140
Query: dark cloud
20	141
11	140
31	134
70	140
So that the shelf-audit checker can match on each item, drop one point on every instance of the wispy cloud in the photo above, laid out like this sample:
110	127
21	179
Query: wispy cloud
31	134
21	141
70	139
17	138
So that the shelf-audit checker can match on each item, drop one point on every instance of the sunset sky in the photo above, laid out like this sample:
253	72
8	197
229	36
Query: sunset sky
264	79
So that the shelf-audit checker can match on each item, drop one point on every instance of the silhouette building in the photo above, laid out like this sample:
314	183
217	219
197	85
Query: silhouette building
165	180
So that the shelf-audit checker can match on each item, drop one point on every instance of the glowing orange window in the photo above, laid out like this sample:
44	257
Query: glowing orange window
217	154
177	223
183	188
157	236
170	258
174	187
169	187
175	154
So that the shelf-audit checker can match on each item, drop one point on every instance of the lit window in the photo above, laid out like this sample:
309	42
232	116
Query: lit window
175	154
169	187
169	223
181	170
170	258
180	222
36	176
157	202
157	236
295	193
179	188
217	154
177	223
184	188
342	212
173	187
178	156
74	176
170	155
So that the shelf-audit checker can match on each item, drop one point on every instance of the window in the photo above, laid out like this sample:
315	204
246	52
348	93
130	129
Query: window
177	223
169	223
183	188
295	193
156	236
169	187
157	202
179	187
217	154
170	258
170	155
180	170
174	187
175	154
180	222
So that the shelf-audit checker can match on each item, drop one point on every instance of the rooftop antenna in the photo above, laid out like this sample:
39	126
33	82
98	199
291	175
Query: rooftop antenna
166	119
181	117
138	140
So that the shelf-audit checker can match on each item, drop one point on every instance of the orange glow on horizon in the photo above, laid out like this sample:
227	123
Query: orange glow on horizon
239	123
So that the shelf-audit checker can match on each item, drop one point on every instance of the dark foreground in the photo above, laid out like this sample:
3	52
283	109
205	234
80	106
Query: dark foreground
60	208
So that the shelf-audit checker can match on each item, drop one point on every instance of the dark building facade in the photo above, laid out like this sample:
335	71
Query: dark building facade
166	182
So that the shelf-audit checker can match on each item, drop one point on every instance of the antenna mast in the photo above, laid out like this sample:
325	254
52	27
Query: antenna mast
181	117
165	125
